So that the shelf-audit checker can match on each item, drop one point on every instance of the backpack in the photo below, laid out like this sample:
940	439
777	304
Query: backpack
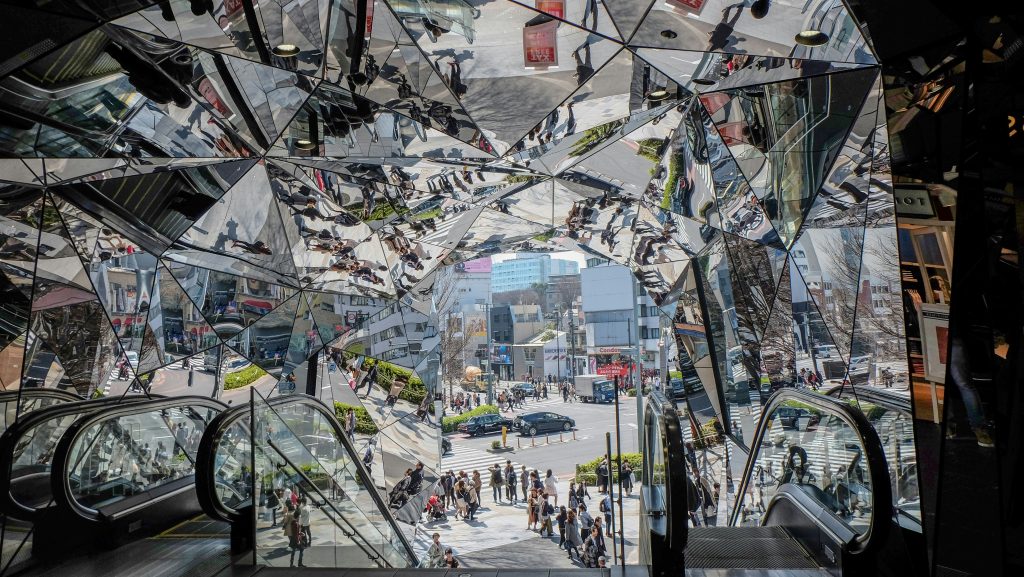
496	477
511	479
548	509
604	506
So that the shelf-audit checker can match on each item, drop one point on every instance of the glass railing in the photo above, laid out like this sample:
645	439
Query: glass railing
27	451
891	417
825	448
663	508
295	459
120	458
19	403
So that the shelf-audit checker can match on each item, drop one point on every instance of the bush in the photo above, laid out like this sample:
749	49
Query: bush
246	376
631	392
588	471
414	392
448	424
495	444
708	435
364	424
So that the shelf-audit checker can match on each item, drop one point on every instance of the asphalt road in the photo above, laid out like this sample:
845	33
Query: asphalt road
592	422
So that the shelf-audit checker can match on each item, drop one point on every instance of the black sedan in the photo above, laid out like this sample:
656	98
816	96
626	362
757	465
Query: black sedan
483	424
527	388
534	423
789	417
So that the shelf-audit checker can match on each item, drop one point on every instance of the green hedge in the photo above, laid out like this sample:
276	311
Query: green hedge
708	435
414	391
448	424
364	424
588	471
246	376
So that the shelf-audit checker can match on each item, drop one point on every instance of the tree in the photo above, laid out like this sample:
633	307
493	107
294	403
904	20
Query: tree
454	343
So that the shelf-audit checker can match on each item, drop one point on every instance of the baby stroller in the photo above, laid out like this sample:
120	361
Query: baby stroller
434	510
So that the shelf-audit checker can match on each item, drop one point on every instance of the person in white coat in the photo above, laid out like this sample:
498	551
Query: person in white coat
551	487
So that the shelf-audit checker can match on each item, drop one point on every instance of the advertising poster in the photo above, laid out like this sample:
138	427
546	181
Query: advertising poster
540	45
684	6
935	337
555	8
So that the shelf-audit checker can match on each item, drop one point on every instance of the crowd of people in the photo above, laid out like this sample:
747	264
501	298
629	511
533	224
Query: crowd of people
580	534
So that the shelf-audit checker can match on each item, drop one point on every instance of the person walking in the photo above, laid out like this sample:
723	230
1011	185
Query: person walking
496	482
602	476
478	482
547	511
573	535
303	511
435	555
592	548
511	483
273	502
551	487
524	481
572	500
293	531
561	519
350	424
461	500
531	511
585	521
606	508
581	491
627	479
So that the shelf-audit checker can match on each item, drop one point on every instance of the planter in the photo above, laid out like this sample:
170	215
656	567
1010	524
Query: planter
500	450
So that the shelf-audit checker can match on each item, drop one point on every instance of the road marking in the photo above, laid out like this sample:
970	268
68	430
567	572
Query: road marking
632	425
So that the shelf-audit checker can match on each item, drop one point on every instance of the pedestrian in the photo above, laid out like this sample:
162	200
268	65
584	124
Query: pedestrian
273	502
592	548
531	510
581	491
551	487
293	532
448	485
474	500
585	520
561	519
606	508
602	476
435	555
496	482
627	479
524	481
573	535
449	559
600	534
691	454
350	424
547	511
304	522
461	500
478	482
602	562
573	500
511	483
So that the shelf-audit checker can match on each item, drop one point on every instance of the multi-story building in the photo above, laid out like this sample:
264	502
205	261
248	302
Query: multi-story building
611	327
527	270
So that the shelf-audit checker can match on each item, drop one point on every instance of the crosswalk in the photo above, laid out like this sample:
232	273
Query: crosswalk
470	458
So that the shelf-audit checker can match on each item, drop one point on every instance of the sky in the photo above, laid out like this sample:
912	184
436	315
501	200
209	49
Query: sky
572	255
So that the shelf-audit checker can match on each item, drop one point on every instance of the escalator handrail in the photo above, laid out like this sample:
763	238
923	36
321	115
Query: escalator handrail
9	441
676	507
60	479
881	398
376	556
206	470
881	491
39	392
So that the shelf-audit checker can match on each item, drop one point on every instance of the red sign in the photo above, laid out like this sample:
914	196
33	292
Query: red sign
694	6
369	16
540	45
555	8
611	369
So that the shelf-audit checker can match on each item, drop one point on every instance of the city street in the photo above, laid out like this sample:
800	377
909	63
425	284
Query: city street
547	451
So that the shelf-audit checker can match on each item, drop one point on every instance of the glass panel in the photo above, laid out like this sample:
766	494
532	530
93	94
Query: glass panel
297	457
817	452
131	454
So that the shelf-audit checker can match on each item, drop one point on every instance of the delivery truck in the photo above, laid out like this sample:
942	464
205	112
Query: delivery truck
595	388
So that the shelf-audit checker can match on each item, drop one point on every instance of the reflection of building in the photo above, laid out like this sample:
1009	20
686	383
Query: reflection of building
510	325
527	270
611	328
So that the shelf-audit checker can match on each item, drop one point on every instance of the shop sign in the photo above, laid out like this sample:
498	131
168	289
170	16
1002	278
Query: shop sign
540	45
913	202
555	8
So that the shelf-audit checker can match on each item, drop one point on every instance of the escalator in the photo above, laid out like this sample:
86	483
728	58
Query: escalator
121	472
297	447
21	402
815	496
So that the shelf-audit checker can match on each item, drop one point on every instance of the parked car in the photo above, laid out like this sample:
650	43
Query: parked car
483	424
533	423
789	417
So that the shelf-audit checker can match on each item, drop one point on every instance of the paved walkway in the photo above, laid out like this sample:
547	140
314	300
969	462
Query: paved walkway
498	536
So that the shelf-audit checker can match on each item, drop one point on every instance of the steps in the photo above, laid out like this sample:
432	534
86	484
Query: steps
745	548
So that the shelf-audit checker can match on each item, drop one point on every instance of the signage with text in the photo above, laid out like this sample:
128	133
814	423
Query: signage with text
540	45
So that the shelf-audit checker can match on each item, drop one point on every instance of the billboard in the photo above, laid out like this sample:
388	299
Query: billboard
478	265
540	45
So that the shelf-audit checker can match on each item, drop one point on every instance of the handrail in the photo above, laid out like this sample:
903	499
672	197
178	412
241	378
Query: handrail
876	396
206	470
676	507
9	442
874	453
39	392
376	556
60	477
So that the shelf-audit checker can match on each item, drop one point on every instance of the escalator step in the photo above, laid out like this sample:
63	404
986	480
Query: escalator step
745	548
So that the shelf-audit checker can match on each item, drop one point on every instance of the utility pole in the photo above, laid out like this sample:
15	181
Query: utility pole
490	367
558	344
636	378
572	346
